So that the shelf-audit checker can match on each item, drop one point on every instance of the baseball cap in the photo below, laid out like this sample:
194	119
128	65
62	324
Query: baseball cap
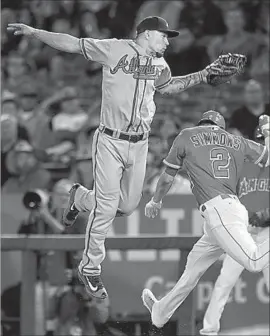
156	23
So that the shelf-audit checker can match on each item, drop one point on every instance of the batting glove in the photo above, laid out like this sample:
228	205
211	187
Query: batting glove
152	208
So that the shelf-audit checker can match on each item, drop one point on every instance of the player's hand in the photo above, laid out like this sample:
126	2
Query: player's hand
20	29
152	209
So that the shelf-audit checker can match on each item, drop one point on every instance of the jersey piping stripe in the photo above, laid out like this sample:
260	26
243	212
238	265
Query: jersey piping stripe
161	86
144	88
261	156
95	208
81	42
171	165
135	97
237	241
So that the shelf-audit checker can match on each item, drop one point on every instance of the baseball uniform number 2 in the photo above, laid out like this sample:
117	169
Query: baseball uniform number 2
220	158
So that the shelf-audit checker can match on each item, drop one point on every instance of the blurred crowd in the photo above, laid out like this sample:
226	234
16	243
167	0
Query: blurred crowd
51	100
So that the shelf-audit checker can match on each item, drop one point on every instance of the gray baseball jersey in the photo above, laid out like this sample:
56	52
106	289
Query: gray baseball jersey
130	78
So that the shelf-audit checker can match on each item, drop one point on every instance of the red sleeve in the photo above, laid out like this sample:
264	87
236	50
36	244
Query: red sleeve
177	153
255	152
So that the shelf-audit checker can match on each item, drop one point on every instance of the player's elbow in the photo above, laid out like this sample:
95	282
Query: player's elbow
167	90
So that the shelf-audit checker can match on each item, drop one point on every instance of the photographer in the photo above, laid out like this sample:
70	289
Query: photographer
70	311
11	134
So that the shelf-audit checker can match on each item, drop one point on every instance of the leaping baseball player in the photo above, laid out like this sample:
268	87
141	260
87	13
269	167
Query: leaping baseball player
253	192
213	159
133	70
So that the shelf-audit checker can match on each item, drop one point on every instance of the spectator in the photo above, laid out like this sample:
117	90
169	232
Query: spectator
9	104
56	69
122	14
245	119
89	26
43	12
251	11
63	25
236	40
35	117
8	42
70	10
186	55
101	13
202	18
11	134
260	64
28	98
17	70
32	113
67	124
25	170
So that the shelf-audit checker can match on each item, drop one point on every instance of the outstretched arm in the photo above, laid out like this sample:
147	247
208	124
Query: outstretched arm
181	83
62	42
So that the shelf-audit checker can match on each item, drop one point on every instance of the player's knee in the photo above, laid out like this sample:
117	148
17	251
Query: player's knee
126	209
123	213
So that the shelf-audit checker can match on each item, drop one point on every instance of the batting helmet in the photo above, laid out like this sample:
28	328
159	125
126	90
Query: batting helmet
213	117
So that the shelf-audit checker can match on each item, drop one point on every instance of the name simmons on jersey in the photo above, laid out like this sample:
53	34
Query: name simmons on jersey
212	138
249	185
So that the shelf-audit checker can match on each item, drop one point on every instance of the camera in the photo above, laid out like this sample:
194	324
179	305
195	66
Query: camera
33	199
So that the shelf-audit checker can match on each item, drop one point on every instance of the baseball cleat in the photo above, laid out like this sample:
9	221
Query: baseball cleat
150	302
93	285
148	299
71	212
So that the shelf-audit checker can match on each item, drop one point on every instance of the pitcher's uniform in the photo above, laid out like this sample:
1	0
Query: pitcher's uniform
253	191
214	160
120	145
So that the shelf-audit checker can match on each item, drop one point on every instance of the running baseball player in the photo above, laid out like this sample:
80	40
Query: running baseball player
213	159
253	191
132	71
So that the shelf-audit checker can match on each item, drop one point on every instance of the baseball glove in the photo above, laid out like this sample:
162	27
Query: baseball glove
223	69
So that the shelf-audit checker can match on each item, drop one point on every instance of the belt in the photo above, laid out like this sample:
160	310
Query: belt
223	196
123	136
